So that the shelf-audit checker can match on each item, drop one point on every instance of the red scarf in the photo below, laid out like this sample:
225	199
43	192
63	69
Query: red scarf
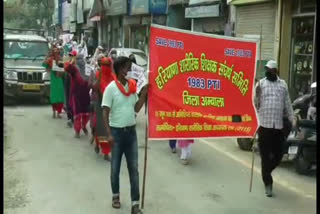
106	74
131	84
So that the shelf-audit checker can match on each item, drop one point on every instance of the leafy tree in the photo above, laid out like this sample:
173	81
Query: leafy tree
28	13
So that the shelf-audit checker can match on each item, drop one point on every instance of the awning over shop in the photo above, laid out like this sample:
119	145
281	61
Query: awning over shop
244	2
175	2
202	11
96	11
203	2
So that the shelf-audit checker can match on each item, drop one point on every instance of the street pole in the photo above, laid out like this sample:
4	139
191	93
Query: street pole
252	163
260	50
145	164
145	141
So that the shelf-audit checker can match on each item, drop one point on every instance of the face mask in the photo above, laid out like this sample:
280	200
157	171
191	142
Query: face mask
271	76
128	76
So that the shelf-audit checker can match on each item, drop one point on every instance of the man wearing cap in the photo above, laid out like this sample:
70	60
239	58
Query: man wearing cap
273	104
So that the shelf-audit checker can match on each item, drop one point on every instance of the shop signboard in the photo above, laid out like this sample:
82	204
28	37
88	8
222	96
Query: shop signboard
139	7
175	2
65	15
117	7
203	11
198	2
80	18
60	12
158	7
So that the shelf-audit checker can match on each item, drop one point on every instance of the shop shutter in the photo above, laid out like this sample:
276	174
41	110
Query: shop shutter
209	25
248	22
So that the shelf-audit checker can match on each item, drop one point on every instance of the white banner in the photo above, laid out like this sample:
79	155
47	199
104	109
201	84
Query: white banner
89	69
137	73
55	67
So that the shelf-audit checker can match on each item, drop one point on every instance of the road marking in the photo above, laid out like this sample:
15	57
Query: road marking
257	170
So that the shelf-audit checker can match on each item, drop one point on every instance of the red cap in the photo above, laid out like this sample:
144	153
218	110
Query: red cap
73	53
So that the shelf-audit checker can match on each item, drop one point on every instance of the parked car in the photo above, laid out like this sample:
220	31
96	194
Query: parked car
23	74
141	57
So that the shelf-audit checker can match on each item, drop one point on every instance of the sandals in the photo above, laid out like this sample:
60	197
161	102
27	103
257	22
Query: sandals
97	149
135	209
91	140
77	135
107	158
116	202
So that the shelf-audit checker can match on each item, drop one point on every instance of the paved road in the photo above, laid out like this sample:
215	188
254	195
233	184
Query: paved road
48	171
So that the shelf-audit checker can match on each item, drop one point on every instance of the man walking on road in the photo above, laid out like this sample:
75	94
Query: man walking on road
273	104
120	103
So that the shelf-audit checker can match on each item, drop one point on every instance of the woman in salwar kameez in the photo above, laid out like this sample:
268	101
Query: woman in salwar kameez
185	146
94	97
104	76
79	96
56	83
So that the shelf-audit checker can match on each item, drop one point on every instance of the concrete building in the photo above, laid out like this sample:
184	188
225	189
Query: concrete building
288	36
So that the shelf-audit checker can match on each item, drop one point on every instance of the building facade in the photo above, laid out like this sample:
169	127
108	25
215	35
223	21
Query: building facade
288	27
288	36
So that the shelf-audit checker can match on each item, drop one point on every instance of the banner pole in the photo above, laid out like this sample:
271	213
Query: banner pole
145	141
252	163
254	137
145	166
260	51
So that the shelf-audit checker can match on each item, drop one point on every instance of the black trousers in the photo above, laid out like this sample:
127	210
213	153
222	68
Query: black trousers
271	151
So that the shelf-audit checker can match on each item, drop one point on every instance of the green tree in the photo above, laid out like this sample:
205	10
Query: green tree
43	10
28	13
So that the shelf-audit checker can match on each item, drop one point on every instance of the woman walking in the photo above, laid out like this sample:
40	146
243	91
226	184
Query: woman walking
185	146
79	96
94	89
104	76
56	82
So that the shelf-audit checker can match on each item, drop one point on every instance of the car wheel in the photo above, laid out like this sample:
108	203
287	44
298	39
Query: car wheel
8	101
245	143
302	166
44	100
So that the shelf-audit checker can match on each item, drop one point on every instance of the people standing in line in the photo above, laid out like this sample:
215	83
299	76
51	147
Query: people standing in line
120	103
56	82
79	96
185	146
273	104
103	76
172	144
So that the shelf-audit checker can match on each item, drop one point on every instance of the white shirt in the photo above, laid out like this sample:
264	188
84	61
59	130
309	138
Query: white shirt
273	103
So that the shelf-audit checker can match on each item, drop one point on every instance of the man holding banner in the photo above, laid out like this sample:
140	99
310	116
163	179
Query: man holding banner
273	104
120	103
